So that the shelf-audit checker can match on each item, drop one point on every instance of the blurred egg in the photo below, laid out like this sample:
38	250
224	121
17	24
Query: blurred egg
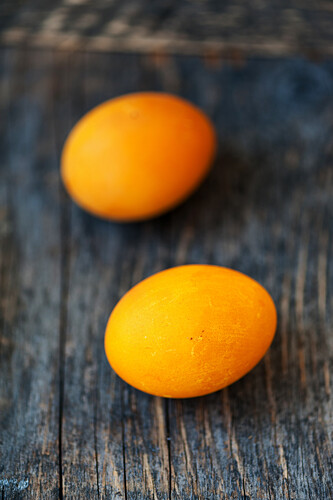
137	156
190	330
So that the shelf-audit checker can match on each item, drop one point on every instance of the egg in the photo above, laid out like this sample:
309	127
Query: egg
190	330
137	156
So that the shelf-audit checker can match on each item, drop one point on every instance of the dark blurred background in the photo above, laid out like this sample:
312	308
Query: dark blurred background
242	28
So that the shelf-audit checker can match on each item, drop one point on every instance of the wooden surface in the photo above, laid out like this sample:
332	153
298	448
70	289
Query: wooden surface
70	428
229	27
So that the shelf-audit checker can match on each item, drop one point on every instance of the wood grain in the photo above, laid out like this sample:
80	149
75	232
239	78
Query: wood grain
70	428
233	28
30	282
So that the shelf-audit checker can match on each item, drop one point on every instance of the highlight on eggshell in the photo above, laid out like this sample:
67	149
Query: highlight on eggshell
137	156
190	330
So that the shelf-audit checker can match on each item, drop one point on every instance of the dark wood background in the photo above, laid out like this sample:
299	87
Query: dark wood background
258	27
70	428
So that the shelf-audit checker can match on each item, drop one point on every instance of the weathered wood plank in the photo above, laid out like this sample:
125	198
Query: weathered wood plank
30	281
268	217
123	440
266	209
235	28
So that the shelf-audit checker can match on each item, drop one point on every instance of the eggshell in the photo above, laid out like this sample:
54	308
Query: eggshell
190	330
137	156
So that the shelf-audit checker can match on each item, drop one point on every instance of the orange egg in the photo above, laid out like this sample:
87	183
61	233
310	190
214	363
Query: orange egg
190	330
137	156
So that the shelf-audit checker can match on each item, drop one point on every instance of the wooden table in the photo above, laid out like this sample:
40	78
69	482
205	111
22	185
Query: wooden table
70	428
